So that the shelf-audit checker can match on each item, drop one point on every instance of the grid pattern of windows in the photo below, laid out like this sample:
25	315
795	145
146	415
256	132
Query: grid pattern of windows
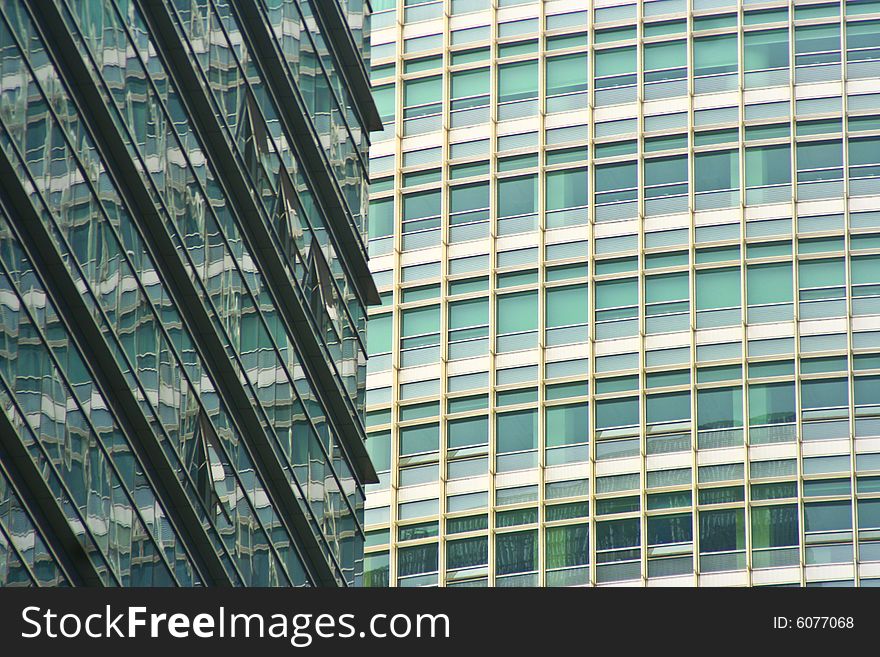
647	292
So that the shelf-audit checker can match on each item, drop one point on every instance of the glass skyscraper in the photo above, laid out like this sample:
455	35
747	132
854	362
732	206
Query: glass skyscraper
629	262
183	291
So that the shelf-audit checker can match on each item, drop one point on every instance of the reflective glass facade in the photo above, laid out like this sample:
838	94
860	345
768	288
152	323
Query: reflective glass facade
629	258
183	290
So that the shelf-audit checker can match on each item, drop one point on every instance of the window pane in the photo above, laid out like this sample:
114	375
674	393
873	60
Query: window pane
667	530
385	102
422	91
821	273
775	526
517	195
771	403
720	408
421	320
516	552
717	54
467	553
566	189
716	171
718	288
379	334
666	170
474	82
474	312
417	559
667	287
467	432
864	151
566	306
766	49
617	61
516	431
770	283
863	34
612	294
517	312
469	197
865	269
518	81
623	175
567	425
819	155
617	412
568	546
722	530
768	165
615	534
866	390
828	516
381	220
672	54
566	74
824	393
414	440
379	447
668	408
816	38
423	204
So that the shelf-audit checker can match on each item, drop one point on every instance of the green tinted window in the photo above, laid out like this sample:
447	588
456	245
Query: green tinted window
517	195
516	431
771	403
473	312
771	283
669	54
566	425
719	408
821	273
666	287
423	438
517	312
766	49
418	321
566	188
517	81
616	293
473	82
379	334
423	90
467	432
567	546
716	54
617	412
714	171
566	306
566	74
718	288
671	407
768	165
616	61
516	552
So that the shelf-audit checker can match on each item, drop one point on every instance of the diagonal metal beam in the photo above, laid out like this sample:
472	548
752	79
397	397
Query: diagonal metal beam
350	62
295	119
142	207
87	334
44	509
342	415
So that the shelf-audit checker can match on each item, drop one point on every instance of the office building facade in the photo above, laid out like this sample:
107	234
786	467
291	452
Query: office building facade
629	259
183	274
